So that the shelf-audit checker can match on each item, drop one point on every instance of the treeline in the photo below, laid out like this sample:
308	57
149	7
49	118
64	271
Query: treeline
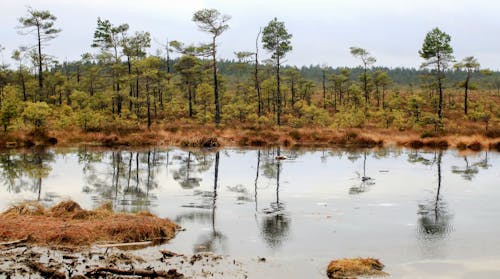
400	76
122	86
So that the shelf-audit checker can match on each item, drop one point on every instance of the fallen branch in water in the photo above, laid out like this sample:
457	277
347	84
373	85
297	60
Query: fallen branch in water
46	272
13	243
169	254
126	244
101	271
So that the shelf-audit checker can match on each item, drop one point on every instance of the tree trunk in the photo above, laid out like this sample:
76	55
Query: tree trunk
365	86
137	91
216	84
131	89
257	83
23	84
440	102
324	89
40	70
383	97
148	103
278	93
78	75
190	98
257	179
466	92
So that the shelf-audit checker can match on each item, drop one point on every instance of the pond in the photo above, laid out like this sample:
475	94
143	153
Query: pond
425	214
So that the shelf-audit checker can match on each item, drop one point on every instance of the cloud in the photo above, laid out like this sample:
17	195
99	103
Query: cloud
323	30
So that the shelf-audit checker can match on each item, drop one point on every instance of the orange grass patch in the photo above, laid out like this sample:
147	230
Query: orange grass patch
195	135
68	224
351	268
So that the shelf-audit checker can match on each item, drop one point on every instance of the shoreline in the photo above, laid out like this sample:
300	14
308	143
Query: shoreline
211	137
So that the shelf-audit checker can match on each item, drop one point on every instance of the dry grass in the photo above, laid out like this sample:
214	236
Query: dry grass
208	136
352	268
68	224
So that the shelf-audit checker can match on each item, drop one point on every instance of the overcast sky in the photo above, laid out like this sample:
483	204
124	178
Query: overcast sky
323	30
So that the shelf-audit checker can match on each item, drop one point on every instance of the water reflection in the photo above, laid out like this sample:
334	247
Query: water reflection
469	170
214	240
26	170
275	224
125	178
434	217
364	181
191	164
272	199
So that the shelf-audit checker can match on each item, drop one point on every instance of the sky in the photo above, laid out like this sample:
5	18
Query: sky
323	30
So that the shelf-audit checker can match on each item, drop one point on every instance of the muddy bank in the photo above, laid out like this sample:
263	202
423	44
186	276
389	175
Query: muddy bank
93	262
66	241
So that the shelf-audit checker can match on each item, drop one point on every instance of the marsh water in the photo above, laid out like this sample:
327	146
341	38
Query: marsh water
425	214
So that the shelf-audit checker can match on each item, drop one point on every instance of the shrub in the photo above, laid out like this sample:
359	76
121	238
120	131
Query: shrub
37	114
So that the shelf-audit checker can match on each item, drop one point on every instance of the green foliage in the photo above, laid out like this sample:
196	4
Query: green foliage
205	98
349	117
415	105
276	39
108	36
9	109
364	55
80	99
355	94
211	21
390	119
436	49
438	53
65	117
37	114
309	115
135	46
42	20
122	85
89	120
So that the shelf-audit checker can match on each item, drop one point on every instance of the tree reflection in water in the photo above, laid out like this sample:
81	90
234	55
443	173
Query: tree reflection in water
126	178
434	218
191	164
275	224
468	171
25	170
214	241
365	181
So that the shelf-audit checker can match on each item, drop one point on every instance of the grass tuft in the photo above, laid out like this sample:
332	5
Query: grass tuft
352	268
68	224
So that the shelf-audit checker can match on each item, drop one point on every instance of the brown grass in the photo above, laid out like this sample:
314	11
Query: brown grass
351	268
209	136
68	224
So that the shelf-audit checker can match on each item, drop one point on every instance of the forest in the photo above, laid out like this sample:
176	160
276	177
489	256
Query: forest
122	93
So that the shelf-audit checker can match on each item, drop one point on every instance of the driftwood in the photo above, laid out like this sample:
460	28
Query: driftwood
169	254
144	243
46	272
100	271
13	243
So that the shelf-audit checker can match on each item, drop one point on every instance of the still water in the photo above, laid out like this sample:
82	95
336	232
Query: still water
425	214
